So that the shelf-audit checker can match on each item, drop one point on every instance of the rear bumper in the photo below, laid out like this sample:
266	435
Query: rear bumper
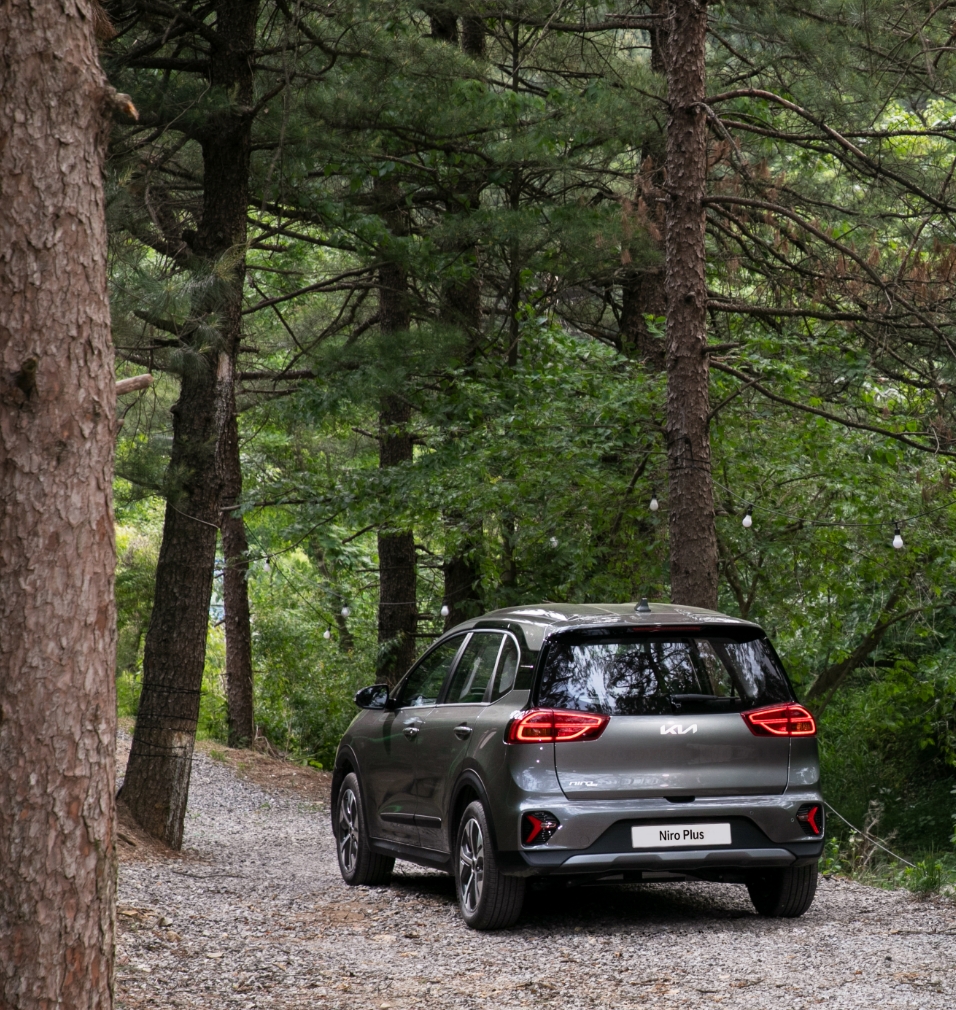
689	861
764	834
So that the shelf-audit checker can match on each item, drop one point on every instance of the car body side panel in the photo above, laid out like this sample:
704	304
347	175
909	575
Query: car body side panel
514	776
804	763
386	759
441	757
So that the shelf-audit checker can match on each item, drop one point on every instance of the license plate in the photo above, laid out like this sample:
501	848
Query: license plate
669	836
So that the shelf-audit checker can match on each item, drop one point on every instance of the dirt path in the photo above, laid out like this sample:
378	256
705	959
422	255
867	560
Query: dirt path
255	915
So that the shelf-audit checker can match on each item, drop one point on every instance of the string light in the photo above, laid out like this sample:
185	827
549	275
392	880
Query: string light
655	504
346	611
444	610
897	537
748	519
327	634
824	523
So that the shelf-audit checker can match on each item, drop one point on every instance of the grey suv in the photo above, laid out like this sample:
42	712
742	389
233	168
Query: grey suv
616	742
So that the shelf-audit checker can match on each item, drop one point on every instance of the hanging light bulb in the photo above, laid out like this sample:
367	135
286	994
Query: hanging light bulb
327	634
897	537
655	504
748	519
346	611
444	610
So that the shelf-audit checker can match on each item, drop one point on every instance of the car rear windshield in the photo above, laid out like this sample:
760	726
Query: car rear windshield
662	672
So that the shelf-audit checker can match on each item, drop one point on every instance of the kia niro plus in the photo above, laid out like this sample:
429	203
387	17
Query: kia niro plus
616	742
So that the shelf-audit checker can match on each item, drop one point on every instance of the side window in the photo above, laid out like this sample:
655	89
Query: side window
474	669
507	669
424	682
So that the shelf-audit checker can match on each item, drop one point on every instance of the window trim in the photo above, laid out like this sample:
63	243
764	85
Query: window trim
400	686
486	698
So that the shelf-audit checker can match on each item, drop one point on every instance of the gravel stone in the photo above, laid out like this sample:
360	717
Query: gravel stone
255	915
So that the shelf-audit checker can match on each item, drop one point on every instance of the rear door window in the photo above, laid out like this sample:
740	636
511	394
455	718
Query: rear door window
474	669
662	673
507	668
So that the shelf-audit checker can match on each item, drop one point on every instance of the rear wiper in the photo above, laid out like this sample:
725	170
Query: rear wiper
677	700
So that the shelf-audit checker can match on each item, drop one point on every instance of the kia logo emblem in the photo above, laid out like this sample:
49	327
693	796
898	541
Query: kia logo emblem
676	729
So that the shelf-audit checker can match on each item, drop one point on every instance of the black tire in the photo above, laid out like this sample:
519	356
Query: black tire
784	894
358	864
486	897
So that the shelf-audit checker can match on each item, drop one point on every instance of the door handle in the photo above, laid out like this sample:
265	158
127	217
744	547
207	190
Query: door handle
412	731
463	731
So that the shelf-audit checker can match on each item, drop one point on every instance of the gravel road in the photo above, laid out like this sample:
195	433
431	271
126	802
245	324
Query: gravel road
255	915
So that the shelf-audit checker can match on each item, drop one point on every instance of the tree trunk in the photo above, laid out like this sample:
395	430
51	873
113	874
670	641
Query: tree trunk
461	308
462	590
398	571
444	23
642	294
473	35
57	556
157	775
235	593
693	538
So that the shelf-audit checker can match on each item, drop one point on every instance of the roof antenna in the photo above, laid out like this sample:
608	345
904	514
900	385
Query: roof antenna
643	607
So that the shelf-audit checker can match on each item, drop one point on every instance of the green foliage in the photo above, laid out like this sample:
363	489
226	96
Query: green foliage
304	682
533	174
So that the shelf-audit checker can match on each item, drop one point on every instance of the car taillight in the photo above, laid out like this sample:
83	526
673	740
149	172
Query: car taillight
549	725
780	720
538	827
811	817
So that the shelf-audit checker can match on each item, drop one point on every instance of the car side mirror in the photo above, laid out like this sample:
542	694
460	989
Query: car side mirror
375	696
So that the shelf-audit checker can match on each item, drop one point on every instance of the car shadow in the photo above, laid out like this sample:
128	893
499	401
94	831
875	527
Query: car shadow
557	906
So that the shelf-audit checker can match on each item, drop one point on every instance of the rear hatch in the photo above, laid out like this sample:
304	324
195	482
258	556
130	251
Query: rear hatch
675	698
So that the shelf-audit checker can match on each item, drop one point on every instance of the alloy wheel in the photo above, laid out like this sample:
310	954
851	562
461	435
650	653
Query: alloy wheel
471	865
348	831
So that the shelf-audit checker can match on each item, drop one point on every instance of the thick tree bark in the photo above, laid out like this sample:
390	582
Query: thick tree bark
398	570
57	618
461	308
157	775
235	594
693	538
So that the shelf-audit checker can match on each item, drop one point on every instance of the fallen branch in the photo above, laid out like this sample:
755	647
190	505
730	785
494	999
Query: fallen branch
133	384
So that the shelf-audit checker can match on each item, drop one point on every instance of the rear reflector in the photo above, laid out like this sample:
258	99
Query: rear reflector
780	720
538	827
811	817
549	725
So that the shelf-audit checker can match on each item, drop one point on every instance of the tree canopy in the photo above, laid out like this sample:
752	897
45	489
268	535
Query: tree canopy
443	296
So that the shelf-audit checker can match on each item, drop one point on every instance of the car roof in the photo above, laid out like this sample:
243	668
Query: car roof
540	621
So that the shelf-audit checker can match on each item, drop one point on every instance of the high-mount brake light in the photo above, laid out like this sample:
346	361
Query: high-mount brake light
549	725
780	720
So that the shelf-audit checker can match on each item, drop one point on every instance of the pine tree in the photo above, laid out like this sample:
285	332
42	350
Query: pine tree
57	404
